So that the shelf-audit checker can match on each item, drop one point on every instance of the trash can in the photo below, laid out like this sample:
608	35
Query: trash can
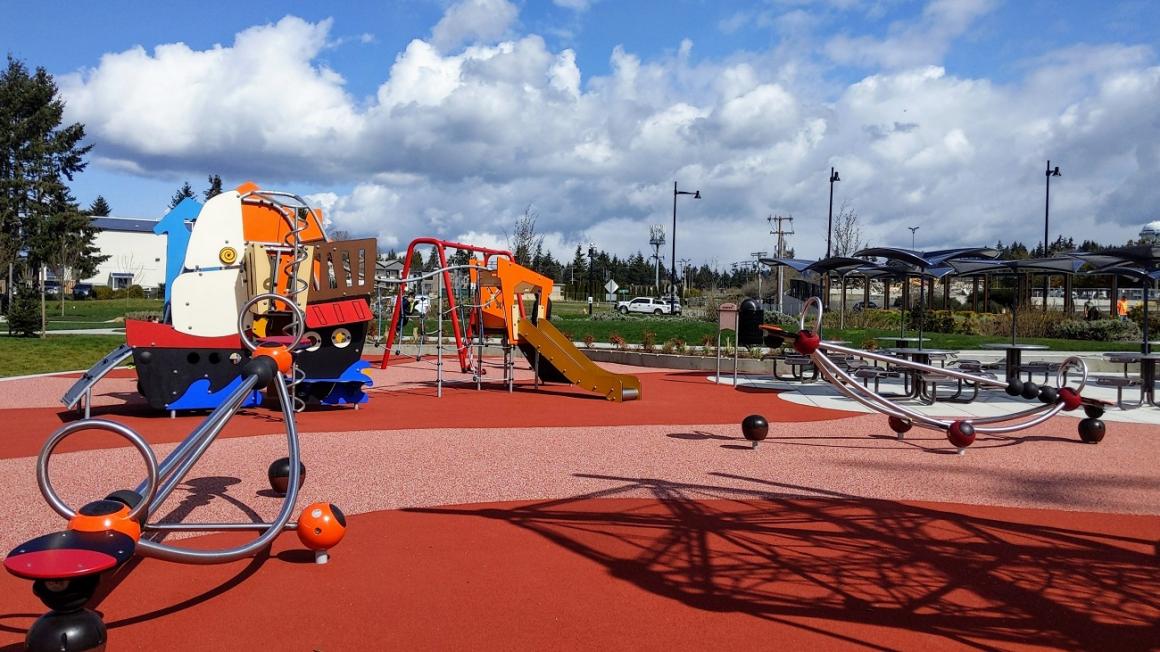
749	324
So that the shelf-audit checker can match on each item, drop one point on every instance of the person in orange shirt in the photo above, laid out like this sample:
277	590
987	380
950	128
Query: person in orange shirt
1122	307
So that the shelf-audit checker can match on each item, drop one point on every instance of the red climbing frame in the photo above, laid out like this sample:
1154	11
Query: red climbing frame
441	247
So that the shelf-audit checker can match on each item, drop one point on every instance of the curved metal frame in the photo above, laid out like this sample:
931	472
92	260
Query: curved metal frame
45	482
849	387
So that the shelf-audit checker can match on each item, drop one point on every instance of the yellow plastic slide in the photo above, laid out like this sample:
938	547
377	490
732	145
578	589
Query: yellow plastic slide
561	360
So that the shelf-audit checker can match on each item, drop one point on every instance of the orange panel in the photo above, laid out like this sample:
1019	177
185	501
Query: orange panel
263	223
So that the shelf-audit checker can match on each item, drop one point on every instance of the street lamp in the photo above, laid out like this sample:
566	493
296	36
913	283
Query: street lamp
673	261
912	230
1050	172
591	270
830	221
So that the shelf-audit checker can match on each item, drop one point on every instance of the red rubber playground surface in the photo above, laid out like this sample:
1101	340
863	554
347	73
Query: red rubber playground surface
549	519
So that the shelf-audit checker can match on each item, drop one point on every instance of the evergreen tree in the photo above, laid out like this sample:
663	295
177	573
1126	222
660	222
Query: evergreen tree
215	187
100	207
37	155
182	193
64	243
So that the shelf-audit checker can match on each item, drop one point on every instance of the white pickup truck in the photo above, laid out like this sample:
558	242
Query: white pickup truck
649	305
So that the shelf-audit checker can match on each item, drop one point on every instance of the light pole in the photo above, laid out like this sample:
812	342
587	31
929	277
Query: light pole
673	261
830	221
1050	172
912	230
591	270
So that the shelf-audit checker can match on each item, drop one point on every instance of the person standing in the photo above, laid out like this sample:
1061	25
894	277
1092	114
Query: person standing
1122	307
404	308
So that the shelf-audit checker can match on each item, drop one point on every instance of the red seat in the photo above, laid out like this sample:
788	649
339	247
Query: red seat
68	554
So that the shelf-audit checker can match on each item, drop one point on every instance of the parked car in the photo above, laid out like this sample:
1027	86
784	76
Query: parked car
860	306
649	305
82	291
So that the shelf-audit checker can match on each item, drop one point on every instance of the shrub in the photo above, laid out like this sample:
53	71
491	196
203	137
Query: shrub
1136	314
648	341
616	340
24	315
133	292
1100	330
102	292
668	347
589	341
143	315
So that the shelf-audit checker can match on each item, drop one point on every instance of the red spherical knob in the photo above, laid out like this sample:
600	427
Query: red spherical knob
961	434
806	342
321	526
1070	398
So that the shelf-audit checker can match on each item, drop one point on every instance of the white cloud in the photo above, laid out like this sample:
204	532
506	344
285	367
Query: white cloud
472	21
455	143
908	44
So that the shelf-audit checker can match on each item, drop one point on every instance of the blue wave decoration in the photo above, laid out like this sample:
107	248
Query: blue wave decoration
198	397
348	387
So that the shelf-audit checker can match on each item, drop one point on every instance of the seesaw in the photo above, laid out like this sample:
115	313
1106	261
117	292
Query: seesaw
960	433
68	566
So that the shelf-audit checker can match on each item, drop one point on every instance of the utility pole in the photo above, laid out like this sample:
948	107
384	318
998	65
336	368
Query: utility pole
758	255
656	240
780	231
685	270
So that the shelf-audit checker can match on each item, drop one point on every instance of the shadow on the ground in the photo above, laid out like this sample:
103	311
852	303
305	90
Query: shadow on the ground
826	564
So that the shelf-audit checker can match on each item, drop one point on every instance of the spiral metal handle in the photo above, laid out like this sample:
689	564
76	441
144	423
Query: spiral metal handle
298	323
45	483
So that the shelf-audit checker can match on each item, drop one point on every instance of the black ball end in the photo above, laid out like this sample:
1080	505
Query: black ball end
263	367
1015	387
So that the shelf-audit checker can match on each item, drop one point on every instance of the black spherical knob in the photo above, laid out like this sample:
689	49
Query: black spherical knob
1092	430
1048	394
1014	387
754	427
279	474
1030	390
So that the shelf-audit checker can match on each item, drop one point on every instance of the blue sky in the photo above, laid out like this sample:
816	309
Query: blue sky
452	117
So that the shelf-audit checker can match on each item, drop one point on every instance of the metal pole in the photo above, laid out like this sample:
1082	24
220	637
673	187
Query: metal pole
439	344
673	261
830	221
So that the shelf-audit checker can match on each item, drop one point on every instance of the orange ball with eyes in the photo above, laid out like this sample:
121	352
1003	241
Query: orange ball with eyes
321	526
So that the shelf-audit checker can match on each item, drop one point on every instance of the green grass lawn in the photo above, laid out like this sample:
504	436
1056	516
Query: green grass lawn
33	355
96	314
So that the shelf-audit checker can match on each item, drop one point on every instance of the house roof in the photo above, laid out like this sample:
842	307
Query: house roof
126	224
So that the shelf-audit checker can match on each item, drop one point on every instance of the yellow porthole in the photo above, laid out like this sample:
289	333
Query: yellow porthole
228	255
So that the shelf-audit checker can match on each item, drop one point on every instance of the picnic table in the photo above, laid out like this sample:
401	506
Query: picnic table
903	342
1147	362
914	381
1014	355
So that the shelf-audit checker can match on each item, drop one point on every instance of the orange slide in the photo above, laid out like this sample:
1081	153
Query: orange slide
559	360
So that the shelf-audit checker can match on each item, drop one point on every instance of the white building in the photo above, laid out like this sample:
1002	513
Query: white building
136	254
1150	234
